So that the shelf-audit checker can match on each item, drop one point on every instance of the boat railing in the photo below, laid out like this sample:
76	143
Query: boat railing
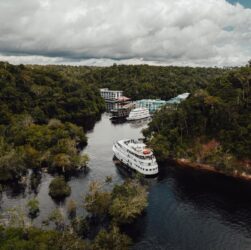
134	141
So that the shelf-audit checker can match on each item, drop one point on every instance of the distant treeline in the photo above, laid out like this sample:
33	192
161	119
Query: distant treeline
141	81
156	82
144	81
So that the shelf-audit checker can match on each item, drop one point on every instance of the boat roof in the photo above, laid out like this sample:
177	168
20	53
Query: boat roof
136	146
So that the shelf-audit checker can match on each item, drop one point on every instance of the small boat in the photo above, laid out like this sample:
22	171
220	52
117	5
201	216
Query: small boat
138	113
135	155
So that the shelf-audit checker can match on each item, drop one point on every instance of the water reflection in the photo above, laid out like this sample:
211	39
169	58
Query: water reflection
16	190
118	121
190	209
140	123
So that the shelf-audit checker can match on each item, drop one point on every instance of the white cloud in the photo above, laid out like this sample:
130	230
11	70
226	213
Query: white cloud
181	32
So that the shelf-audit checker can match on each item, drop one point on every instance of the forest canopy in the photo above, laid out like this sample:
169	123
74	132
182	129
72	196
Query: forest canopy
44	112
212	126
219	108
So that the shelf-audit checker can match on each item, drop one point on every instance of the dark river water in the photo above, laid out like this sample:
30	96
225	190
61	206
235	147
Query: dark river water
187	209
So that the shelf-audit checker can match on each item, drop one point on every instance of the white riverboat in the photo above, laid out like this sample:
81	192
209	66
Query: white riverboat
135	155
138	113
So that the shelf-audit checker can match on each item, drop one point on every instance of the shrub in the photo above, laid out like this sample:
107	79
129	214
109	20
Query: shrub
59	189
128	202
112	239
71	208
97	202
33	207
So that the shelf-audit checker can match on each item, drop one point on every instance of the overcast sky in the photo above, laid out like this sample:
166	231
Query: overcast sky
101	32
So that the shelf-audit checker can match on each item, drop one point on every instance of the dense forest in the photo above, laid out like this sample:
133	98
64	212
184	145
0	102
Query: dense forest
212	127
46	92
44	108
45	112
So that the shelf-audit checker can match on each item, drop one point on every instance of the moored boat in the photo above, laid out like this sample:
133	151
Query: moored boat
138	113
122	112
135	155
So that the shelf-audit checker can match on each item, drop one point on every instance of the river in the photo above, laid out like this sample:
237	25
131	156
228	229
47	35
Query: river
187	209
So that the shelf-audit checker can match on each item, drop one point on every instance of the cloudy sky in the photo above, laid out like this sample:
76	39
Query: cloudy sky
98	32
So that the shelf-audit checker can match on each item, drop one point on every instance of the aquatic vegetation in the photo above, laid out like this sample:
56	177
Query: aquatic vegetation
58	188
128	202
130	197
124	203
33	208
97	201
71	208
112	239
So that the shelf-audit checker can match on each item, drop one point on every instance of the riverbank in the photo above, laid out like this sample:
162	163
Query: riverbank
207	167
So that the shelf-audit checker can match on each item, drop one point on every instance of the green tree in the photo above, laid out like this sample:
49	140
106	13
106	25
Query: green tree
11	162
34	238
97	202
62	161
33	207
128	201
71	208
57	217
59	188
111	240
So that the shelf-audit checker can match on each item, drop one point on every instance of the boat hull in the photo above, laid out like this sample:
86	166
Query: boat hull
138	114
137	118
128	171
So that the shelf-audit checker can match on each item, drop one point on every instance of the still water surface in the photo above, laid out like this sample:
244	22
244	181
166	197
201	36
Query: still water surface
187	209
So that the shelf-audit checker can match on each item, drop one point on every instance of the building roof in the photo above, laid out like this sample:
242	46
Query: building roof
123	98
152	100
176	100
106	89
183	96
